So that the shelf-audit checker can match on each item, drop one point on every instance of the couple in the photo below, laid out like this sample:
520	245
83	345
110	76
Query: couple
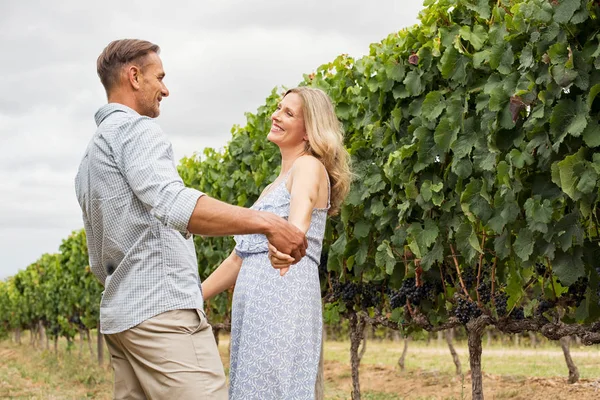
139	218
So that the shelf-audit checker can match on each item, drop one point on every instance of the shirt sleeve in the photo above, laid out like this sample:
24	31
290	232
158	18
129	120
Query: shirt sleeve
145	157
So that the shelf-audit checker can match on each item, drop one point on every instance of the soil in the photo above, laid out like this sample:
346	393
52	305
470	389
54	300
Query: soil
431	385
377	382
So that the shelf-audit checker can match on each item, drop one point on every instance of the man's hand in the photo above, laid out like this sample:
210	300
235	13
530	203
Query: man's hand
279	260
285	237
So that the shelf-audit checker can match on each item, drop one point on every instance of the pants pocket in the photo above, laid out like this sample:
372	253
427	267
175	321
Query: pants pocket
200	323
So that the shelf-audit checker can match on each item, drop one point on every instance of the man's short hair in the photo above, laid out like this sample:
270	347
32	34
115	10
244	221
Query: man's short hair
119	53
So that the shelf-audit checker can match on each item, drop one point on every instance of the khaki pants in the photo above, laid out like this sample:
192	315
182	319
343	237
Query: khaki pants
170	356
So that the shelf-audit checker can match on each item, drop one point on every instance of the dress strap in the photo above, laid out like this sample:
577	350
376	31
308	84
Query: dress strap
328	188
287	174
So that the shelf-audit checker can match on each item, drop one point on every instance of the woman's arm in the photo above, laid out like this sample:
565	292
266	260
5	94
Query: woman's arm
304	190
223	277
305	194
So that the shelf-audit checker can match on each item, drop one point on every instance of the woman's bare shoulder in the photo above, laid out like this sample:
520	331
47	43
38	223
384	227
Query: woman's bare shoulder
307	163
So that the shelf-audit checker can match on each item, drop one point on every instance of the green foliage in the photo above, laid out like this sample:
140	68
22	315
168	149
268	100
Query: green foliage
472	136
58	290
473	139
81	291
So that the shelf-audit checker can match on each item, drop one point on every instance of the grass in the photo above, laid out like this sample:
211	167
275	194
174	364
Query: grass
429	374
31	374
365	396
543	362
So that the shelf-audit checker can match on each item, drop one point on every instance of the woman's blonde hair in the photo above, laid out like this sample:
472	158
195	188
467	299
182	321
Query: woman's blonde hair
326	141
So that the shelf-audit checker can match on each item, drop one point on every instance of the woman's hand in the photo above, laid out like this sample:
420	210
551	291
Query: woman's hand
279	260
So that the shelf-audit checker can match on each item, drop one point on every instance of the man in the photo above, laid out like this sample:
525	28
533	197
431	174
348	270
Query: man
139	217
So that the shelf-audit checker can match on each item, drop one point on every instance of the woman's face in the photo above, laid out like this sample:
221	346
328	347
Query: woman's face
287	128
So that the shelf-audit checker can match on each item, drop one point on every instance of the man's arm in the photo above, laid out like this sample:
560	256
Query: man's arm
212	217
144	155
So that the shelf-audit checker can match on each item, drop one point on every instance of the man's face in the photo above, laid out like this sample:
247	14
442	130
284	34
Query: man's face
152	88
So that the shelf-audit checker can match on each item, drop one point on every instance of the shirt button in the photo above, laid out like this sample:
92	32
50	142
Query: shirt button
110	268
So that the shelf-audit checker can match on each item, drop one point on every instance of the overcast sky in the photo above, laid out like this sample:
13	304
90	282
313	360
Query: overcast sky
222	58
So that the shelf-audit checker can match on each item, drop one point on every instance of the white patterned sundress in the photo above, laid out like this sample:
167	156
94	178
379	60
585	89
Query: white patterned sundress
277	320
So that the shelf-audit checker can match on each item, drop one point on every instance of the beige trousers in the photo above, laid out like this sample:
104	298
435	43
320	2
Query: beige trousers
170	356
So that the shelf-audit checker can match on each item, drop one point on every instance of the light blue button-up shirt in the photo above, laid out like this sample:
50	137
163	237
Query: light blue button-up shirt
135	211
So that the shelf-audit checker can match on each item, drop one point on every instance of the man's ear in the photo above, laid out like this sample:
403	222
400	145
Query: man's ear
134	75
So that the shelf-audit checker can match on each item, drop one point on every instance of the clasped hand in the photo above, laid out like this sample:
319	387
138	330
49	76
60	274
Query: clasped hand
279	260
287	243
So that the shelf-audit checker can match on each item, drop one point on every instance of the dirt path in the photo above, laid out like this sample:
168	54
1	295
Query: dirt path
27	374
501	352
426	385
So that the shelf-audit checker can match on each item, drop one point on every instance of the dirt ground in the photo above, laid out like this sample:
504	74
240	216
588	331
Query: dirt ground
427	385
23	376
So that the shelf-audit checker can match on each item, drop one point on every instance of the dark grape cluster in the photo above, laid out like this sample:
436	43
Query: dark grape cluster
365	294
469	276
577	290
540	269
371	295
485	292
75	319
397	299
345	291
544	305
466	310
349	292
485	270
518	313
413	293
420	293
501	302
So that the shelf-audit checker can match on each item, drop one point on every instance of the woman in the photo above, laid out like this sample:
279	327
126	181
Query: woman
276	316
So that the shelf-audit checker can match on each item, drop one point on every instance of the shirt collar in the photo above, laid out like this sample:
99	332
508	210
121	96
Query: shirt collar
110	108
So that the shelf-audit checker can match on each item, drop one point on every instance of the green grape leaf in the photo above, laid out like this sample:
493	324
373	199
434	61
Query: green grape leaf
445	134
413	83
384	257
481	7
567	118
564	174
539	214
422	237
568	267
361	229
523	244
565	9
476	37
433	105
591	134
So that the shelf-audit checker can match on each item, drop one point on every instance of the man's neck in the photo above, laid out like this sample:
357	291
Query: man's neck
123	98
